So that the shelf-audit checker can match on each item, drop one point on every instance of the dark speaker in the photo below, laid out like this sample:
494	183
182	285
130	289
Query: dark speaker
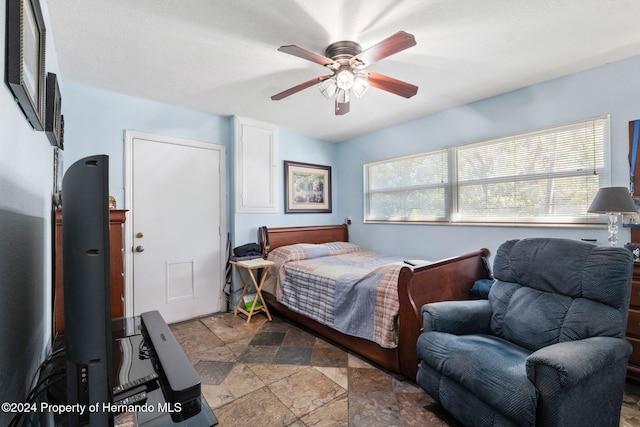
87	302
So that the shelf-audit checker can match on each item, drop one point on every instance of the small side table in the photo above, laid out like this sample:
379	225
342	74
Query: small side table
250	265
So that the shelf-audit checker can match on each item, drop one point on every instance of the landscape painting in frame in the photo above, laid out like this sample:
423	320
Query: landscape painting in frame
307	188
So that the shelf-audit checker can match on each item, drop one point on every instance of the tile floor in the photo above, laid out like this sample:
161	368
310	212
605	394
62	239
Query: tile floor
276	374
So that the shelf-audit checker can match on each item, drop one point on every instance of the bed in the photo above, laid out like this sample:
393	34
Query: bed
447	279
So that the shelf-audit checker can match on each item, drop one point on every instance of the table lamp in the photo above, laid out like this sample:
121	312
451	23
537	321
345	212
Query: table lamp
613	201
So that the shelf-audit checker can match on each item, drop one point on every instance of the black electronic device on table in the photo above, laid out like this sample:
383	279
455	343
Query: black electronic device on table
152	371
182	382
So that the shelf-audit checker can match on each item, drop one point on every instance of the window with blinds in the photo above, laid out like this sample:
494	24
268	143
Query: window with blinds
548	176
414	188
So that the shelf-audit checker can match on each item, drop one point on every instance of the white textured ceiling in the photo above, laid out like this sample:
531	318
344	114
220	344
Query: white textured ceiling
219	56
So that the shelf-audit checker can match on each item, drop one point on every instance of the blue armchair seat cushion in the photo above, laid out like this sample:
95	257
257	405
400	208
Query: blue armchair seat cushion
486	366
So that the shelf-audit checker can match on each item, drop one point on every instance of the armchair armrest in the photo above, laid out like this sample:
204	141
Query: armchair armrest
572	361
457	317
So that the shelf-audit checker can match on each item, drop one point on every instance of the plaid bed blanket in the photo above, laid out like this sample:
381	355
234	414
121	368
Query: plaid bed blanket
341	285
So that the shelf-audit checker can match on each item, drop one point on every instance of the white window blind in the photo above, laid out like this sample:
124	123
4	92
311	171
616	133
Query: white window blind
414	188
547	176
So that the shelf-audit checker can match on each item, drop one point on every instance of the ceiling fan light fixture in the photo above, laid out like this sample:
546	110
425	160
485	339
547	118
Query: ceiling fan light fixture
360	85
328	87
344	79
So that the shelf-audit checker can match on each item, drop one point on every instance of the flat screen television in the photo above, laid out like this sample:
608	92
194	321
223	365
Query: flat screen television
87	302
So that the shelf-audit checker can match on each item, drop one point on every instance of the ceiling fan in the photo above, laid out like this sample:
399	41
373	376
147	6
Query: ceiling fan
347	61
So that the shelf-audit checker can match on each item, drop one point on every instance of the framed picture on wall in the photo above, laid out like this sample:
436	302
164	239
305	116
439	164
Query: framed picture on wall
53	116
25	58
307	188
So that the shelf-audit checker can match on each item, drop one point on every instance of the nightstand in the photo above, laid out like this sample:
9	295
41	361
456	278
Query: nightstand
258	304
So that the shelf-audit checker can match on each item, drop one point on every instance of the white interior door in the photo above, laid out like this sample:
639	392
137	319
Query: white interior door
176	226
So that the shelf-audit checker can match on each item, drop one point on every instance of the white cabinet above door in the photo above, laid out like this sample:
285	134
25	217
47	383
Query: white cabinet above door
256	154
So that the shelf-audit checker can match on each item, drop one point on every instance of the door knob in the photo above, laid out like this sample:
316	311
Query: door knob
140	248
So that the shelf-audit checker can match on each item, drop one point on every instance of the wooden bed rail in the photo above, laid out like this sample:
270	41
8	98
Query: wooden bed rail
446	280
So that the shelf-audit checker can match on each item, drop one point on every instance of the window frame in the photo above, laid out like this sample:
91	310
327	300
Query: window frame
452	188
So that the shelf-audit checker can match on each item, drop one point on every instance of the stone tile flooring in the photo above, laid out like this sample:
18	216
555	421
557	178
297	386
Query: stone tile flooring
276	374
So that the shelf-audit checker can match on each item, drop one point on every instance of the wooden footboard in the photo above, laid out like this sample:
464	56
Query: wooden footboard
446	280
449	279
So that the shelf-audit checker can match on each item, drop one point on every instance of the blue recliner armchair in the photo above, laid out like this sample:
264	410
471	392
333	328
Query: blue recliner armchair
546	349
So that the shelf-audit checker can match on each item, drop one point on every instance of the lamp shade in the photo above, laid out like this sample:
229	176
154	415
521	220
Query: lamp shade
613	200
328	87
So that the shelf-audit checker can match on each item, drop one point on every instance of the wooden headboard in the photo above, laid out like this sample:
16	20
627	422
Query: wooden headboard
271	238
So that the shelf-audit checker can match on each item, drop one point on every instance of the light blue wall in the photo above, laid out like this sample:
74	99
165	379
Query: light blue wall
611	89
296	148
26	186
96	120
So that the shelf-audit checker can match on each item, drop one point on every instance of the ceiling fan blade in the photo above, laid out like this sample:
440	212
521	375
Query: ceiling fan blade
305	54
392	85
299	87
387	47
